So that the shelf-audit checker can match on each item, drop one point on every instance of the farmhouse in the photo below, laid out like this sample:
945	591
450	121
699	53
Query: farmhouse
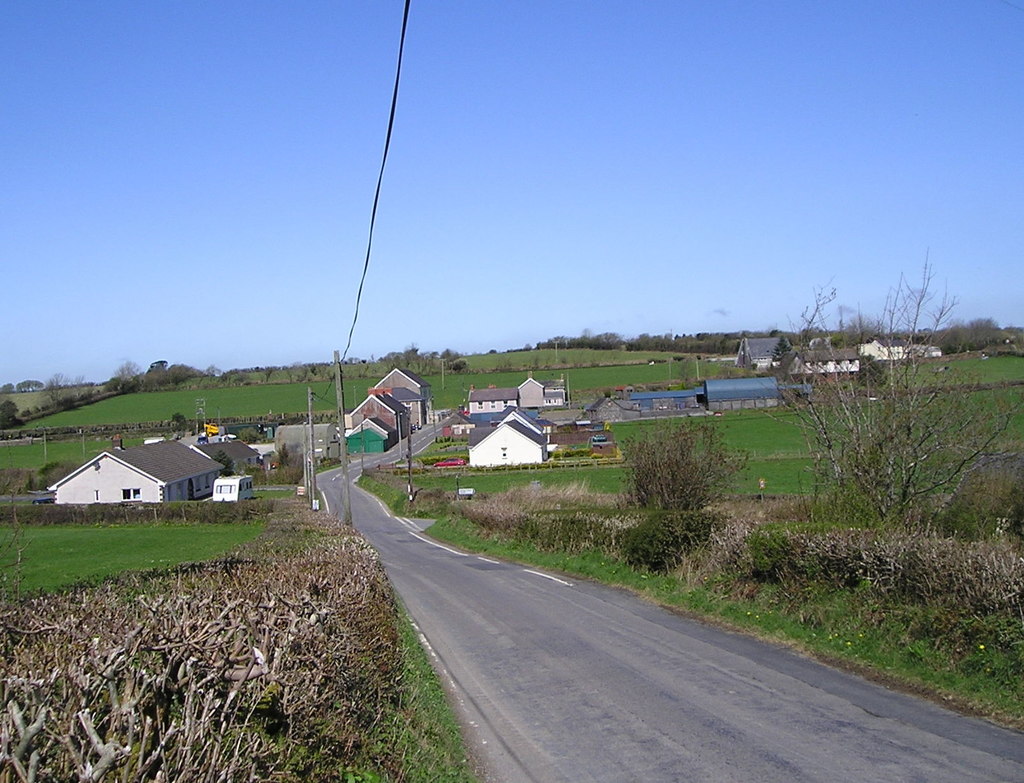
510	443
491	400
541	394
382	406
412	391
154	473
828	361
757	353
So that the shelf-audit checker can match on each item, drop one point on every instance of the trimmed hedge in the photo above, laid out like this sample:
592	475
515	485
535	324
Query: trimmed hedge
98	514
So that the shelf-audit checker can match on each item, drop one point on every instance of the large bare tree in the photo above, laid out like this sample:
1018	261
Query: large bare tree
893	436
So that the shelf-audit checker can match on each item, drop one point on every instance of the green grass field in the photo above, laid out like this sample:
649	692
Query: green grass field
584	384
261	400
54	557
35	455
600	479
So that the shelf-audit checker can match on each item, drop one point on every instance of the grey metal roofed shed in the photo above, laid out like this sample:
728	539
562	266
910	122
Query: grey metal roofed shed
739	393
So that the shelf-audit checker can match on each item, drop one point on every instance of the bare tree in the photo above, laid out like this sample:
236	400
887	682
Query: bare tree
888	441
57	389
126	378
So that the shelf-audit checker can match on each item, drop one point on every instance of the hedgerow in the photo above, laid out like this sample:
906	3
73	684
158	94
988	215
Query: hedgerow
281	665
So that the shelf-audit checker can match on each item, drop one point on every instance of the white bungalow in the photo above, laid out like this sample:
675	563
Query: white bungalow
154	473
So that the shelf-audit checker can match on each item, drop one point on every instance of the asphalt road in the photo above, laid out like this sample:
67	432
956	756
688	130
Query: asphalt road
564	680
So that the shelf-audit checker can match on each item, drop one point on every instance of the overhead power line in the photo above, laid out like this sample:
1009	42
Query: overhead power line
380	179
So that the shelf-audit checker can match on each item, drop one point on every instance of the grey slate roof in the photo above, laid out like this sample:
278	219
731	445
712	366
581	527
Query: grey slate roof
403	394
166	461
482	433
493	395
410	375
234	449
679	394
761	347
387	400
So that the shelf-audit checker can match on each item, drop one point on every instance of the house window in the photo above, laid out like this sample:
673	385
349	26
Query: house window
131	494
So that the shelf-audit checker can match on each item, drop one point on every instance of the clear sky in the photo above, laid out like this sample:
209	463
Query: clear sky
192	181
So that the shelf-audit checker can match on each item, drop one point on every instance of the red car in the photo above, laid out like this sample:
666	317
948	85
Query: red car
450	462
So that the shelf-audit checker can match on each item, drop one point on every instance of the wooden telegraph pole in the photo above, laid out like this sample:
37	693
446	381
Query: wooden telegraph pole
346	501
313	501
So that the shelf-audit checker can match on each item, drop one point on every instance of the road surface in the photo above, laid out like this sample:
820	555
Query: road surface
557	679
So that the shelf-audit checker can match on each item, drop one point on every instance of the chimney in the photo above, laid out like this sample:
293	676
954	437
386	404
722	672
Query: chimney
117	442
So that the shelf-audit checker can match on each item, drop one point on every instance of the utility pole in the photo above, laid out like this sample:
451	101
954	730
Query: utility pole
399	416
346	501
313	503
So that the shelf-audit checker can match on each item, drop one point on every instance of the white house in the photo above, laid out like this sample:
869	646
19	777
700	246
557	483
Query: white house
831	361
886	350
510	443
154	473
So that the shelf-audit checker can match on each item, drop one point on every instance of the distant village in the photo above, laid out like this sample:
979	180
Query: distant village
514	426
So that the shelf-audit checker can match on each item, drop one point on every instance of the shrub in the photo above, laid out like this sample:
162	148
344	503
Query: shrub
660	540
683	466
771	554
988	504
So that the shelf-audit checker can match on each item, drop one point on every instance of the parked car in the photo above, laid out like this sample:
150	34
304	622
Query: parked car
450	462
599	439
43	499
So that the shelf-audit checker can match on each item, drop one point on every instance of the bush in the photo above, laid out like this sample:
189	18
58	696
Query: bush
683	466
988	504
659	542
771	554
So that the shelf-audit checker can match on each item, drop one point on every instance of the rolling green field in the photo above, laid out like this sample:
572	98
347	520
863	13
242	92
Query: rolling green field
269	399
584	384
54	557
600	479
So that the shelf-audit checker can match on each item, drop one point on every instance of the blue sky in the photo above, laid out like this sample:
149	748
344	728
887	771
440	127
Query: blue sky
192	181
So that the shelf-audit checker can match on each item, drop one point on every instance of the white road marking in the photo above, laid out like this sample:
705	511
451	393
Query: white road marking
548	576
488	560
426	540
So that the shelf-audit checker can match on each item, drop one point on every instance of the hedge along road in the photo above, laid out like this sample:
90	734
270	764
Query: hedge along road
564	680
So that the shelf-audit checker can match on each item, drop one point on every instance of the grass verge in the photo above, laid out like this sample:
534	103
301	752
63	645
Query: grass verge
429	737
